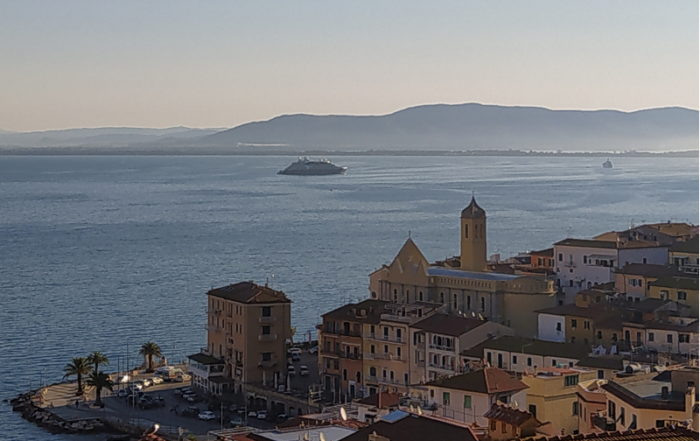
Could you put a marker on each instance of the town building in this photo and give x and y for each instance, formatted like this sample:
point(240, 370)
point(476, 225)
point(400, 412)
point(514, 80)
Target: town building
point(466, 397)
point(551, 396)
point(462, 283)
point(376, 406)
point(592, 401)
point(248, 328)
point(437, 342)
point(674, 433)
point(684, 255)
point(633, 281)
point(650, 400)
point(509, 423)
point(405, 426)
point(679, 289)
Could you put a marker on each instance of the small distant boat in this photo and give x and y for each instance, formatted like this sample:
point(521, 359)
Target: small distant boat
point(307, 167)
point(607, 164)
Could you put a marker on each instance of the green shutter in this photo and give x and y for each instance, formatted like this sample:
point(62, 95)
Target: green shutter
point(467, 401)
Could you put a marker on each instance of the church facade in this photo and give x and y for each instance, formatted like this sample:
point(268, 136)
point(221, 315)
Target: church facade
point(463, 284)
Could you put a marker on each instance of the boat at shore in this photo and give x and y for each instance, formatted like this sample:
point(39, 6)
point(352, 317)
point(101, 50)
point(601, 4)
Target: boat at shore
point(607, 164)
point(307, 167)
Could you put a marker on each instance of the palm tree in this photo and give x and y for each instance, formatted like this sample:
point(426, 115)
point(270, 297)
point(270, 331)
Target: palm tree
point(97, 358)
point(78, 367)
point(150, 350)
point(99, 380)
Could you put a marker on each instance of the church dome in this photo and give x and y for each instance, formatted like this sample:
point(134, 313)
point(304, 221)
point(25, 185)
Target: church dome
point(473, 211)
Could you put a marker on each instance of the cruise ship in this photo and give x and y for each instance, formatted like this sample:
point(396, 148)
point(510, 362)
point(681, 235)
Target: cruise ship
point(307, 167)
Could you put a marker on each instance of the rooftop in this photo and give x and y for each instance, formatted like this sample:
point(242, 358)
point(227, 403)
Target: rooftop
point(648, 270)
point(486, 381)
point(689, 246)
point(614, 362)
point(205, 359)
point(509, 415)
point(404, 426)
point(367, 311)
point(547, 252)
point(473, 211)
point(448, 324)
point(491, 277)
point(676, 433)
point(524, 345)
point(249, 292)
point(690, 283)
point(588, 243)
point(571, 309)
point(387, 400)
point(645, 391)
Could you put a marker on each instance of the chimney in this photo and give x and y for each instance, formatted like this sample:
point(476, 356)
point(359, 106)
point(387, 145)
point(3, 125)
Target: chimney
point(664, 392)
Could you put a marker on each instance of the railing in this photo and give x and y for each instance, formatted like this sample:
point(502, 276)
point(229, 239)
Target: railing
point(341, 332)
point(395, 318)
point(267, 337)
point(442, 366)
point(214, 311)
point(392, 381)
point(350, 355)
point(383, 356)
point(213, 328)
point(601, 421)
point(569, 264)
point(442, 348)
point(385, 338)
point(270, 319)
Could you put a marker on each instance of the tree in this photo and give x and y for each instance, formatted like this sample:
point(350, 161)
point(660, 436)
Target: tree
point(292, 333)
point(78, 367)
point(97, 358)
point(150, 350)
point(99, 380)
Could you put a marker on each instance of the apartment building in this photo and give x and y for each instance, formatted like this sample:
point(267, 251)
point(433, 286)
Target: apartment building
point(438, 341)
point(679, 289)
point(248, 327)
point(591, 402)
point(684, 255)
point(551, 396)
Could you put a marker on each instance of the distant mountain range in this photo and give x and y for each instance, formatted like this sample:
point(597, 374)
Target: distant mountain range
point(426, 128)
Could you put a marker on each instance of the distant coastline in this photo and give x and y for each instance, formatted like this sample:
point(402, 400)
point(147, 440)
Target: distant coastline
point(218, 151)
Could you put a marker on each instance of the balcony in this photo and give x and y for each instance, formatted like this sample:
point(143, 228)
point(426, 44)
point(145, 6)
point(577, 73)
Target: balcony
point(446, 367)
point(442, 348)
point(601, 421)
point(395, 318)
point(325, 353)
point(383, 356)
point(269, 319)
point(267, 337)
point(340, 332)
point(385, 338)
point(267, 363)
point(213, 328)
point(214, 311)
point(569, 264)
point(391, 381)
point(350, 355)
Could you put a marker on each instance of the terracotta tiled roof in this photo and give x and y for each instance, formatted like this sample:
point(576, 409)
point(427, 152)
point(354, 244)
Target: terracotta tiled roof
point(368, 311)
point(677, 433)
point(587, 243)
point(448, 324)
point(249, 292)
point(388, 400)
point(593, 311)
point(508, 415)
point(689, 246)
point(413, 427)
point(523, 345)
point(485, 381)
point(648, 270)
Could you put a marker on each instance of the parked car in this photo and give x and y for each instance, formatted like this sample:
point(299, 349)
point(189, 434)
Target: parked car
point(191, 411)
point(252, 414)
point(291, 370)
point(147, 382)
point(262, 414)
point(121, 393)
point(182, 378)
point(207, 415)
point(313, 350)
point(281, 418)
point(303, 370)
point(294, 351)
point(236, 421)
point(123, 379)
point(296, 357)
point(232, 408)
point(156, 380)
point(138, 385)
point(182, 389)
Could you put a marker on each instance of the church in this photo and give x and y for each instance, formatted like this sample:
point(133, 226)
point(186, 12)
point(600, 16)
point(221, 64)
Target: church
point(463, 284)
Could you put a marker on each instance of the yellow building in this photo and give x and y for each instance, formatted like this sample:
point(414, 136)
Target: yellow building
point(462, 284)
point(684, 255)
point(679, 289)
point(552, 396)
point(591, 402)
point(248, 327)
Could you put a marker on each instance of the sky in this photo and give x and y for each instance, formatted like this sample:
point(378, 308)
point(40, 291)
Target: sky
point(94, 63)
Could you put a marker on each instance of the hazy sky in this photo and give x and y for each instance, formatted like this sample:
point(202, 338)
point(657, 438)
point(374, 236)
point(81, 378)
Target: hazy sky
point(219, 64)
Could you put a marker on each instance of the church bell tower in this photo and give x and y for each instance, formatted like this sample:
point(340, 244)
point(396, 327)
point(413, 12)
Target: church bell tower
point(473, 238)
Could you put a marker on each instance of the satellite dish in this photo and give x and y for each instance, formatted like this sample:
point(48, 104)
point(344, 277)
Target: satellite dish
point(321, 436)
point(420, 411)
point(343, 414)
point(514, 404)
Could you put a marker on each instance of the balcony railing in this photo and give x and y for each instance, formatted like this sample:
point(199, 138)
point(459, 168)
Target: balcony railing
point(270, 319)
point(213, 328)
point(385, 338)
point(392, 381)
point(342, 354)
point(214, 311)
point(446, 367)
point(267, 337)
point(442, 348)
point(267, 363)
point(383, 356)
point(341, 332)
point(395, 318)
point(601, 421)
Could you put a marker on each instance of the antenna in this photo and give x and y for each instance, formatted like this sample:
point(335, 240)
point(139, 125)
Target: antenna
point(343, 414)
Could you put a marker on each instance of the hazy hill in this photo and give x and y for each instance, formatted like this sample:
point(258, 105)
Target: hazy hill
point(474, 126)
point(100, 137)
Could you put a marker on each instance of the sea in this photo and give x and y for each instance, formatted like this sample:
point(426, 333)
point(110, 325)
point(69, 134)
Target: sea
point(105, 253)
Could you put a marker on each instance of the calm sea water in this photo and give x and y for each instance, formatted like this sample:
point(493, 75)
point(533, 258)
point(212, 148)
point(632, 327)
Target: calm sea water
point(106, 253)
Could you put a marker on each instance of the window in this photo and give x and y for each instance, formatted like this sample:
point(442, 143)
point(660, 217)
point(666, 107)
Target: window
point(442, 297)
point(266, 311)
point(529, 361)
point(504, 428)
point(398, 334)
point(336, 364)
point(611, 410)
point(601, 374)
point(682, 295)
point(573, 339)
point(554, 362)
point(386, 349)
point(585, 259)
point(398, 352)
point(467, 401)
point(345, 375)
point(633, 424)
point(488, 357)
point(664, 295)
point(515, 359)
point(614, 336)
point(586, 324)
point(469, 302)
point(622, 416)
point(373, 372)
point(561, 257)
point(446, 398)
point(669, 338)
point(574, 408)
point(574, 323)
point(599, 335)
point(266, 356)
point(683, 338)
point(266, 330)
point(558, 326)
point(466, 231)
point(371, 349)
point(493, 425)
point(651, 336)
point(384, 373)
point(571, 380)
point(483, 304)
point(532, 408)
